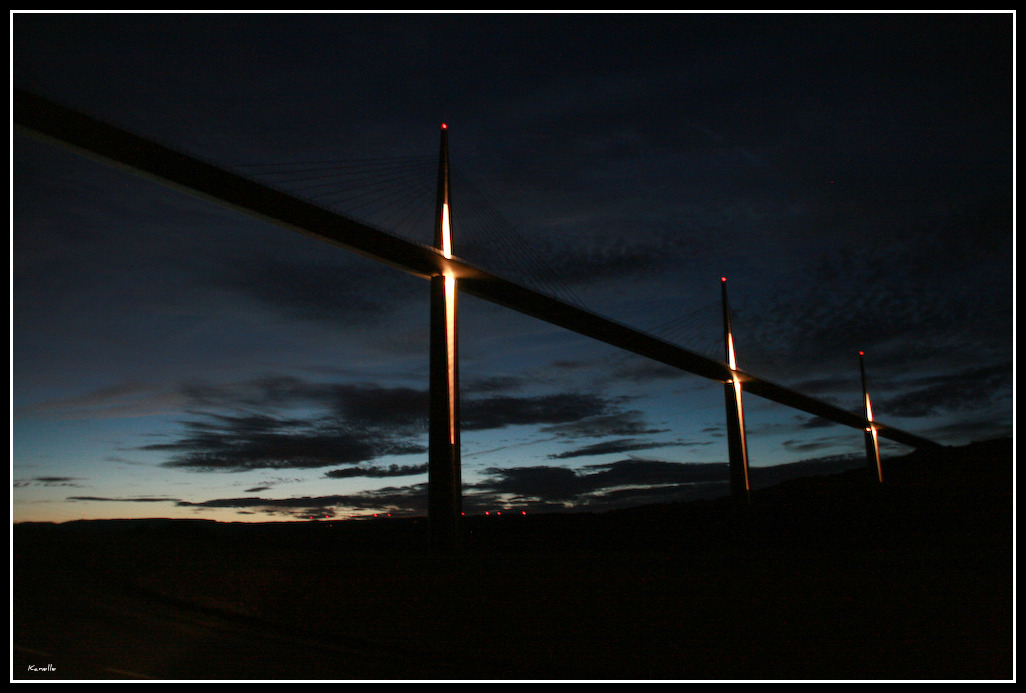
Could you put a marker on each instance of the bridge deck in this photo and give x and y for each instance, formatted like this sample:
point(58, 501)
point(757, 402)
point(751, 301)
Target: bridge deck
point(43, 118)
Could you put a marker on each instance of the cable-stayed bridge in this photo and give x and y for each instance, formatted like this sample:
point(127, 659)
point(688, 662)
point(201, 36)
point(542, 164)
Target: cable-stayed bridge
point(446, 271)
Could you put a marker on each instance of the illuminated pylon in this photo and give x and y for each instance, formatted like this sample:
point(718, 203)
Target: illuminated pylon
point(871, 437)
point(444, 482)
point(737, 444)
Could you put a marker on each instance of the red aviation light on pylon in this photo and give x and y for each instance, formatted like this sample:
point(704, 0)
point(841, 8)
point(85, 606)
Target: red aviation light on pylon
point(862, 353)
point(723, 279)
point(443, 126)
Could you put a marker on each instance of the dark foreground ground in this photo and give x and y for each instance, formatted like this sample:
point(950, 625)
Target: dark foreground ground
point(825, 578)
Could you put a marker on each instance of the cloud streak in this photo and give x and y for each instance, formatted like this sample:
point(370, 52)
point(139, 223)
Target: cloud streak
point(582, 487)
point(310, 425)
point(47, 481)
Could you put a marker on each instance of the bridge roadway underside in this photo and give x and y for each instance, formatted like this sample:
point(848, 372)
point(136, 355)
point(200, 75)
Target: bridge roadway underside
point(47, 120)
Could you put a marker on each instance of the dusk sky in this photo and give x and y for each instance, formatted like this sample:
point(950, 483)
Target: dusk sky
point(850, 174)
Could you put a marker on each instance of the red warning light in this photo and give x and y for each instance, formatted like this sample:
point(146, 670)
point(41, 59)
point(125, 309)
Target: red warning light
point(443, 126)
point(723, 279)
point(862, 353)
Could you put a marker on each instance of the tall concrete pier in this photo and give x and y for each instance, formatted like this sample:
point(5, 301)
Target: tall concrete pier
point(870, 435)
point(444, 479)
point(737, 443)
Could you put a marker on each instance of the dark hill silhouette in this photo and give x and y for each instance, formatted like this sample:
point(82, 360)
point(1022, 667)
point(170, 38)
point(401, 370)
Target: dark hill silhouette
point(831, 577)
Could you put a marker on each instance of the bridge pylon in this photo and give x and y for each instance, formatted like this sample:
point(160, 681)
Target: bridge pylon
point(870, 434)
point(444, 476)
point(737, 443)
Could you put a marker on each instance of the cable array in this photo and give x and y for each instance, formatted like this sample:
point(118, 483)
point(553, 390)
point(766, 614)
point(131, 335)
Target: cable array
point(397, 196)
point(492, 241)
point(699, 330)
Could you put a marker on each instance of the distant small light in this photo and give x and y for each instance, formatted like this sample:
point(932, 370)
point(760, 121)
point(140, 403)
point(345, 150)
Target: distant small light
point(862, 353)
point(723, 279)
point(443, 126)
point(523, 512)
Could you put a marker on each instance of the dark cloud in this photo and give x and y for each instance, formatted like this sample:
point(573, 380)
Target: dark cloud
point(552, 410)
point(225, 443)
point(653, 472)
point(377, 472)
point(901, 286)
point(986, 429)
point(607, 422)
point(48, 481)
point(814, 422)
point(963, 391)
point(396, 408)
point(540, 482)
point(608, 447)
point(540, 488)
point(366, 402)
point(374, 422)
point(565, 485)
point(407, 500)
point(808, 445)
point(128, 499)
point(357, 423)
point(254, 502)
point(321, 507)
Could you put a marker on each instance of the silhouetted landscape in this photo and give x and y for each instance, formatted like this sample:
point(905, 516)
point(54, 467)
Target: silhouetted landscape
point(829, 577)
